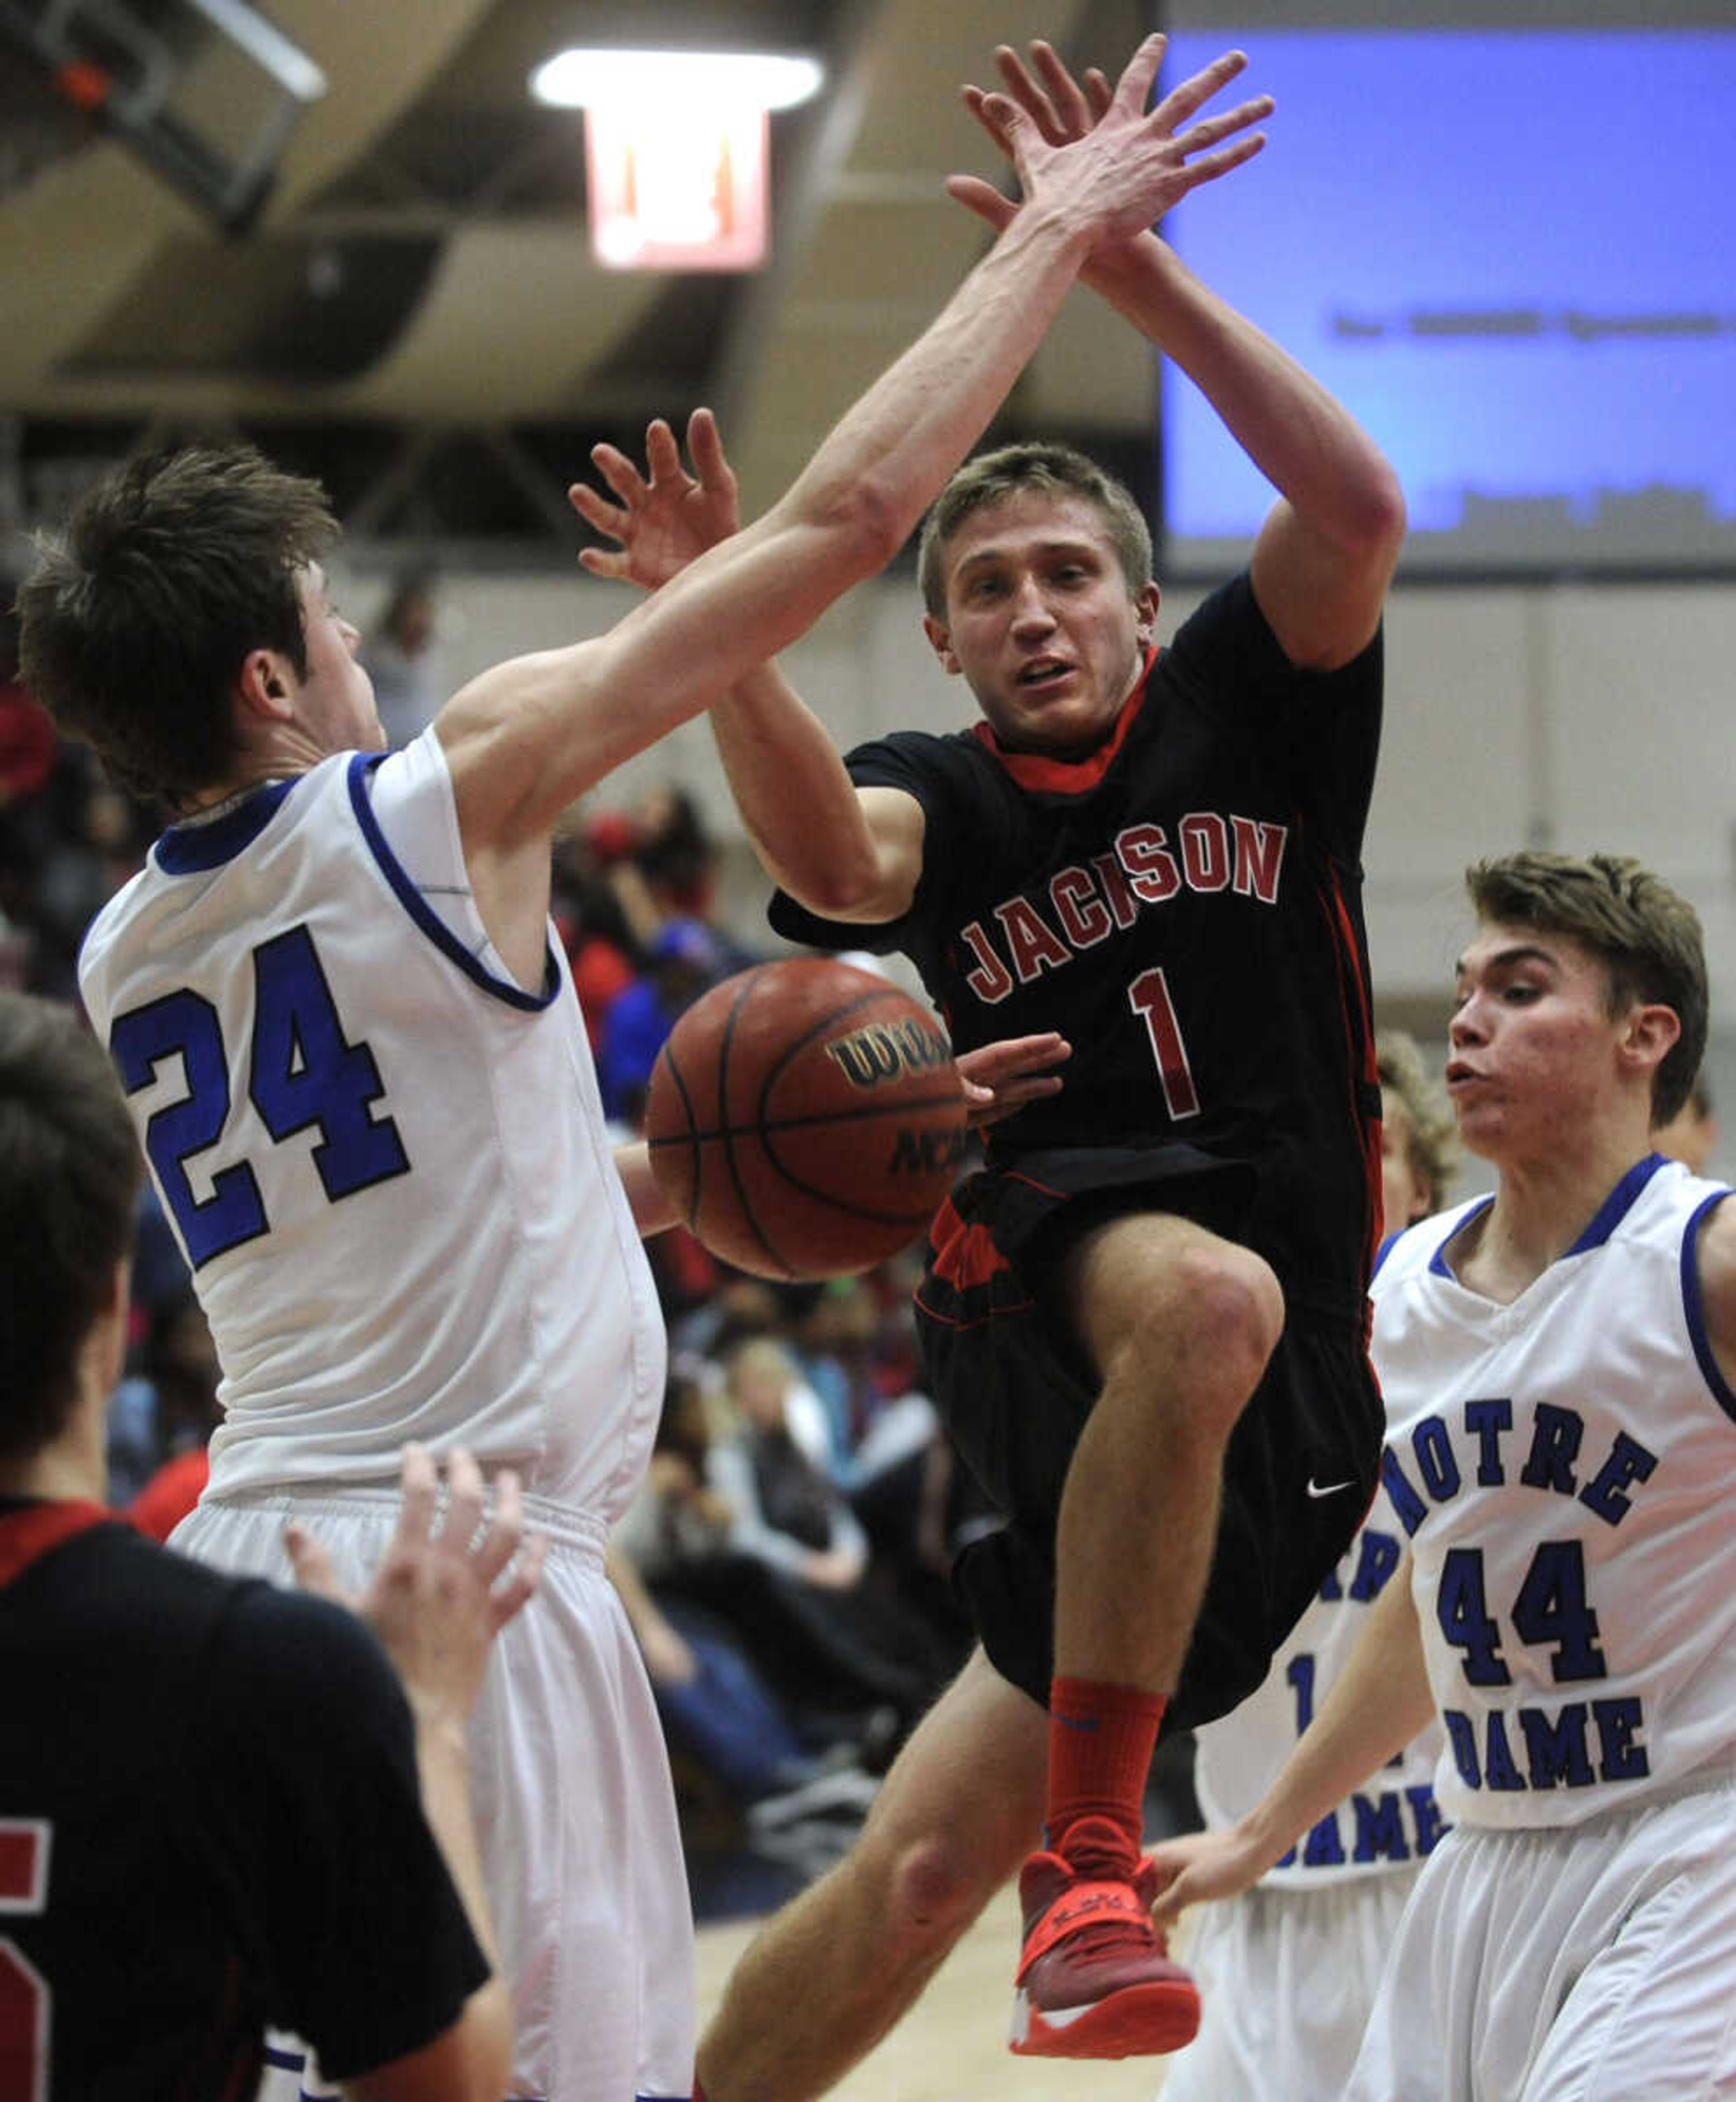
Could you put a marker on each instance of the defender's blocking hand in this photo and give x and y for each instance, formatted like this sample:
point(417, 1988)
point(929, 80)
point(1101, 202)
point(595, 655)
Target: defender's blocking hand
point(1044, 108)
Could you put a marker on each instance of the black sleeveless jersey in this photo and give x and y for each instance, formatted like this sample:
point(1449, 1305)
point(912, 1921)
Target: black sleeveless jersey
point(1183, 904)
point(209, 1819)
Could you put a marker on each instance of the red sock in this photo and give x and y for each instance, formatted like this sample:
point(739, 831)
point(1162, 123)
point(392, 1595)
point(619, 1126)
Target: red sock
point(699, 2092)
point(1101, 1743)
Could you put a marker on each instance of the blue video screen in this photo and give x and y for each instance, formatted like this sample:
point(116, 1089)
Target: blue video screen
point(1512, 253)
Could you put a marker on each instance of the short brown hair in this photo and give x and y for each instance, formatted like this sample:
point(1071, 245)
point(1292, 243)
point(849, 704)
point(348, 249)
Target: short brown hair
point(996, 477)
point(134, 624)
point(1646, 935)
point(69, 1170)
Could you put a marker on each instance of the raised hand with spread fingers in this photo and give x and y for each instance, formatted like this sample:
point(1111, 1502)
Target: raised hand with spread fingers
point(452, 1577)
point(662, 519)
point(1063, 110)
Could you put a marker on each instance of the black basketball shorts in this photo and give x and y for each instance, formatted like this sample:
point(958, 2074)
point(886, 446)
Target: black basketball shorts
point(1014, 1389)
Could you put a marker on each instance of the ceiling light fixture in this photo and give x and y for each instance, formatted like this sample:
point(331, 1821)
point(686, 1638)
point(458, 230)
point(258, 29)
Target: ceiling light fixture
point(591, 79)
point(676, 149)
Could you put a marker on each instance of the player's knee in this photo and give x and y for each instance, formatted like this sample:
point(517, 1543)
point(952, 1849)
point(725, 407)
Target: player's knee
point(936, 1890)
point(1233, 1308)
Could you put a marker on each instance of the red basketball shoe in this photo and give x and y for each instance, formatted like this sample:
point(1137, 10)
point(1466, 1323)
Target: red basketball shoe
point(1094, 1978)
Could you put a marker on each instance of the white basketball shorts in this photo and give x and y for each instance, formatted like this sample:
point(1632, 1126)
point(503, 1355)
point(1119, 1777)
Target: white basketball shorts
point(573, 1807)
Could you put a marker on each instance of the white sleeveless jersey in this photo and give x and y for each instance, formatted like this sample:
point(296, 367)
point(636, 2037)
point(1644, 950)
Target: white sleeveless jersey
point(1565, 1468)
point(386, 1163)
point(1391, 1822)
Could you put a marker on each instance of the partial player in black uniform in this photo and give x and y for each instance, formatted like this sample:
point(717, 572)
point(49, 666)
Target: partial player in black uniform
point(217, 1810)
point(1155, 852)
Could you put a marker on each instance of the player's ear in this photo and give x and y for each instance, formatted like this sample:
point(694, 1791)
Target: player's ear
point(1651, 1034)
point(940, 641)
point(107, 1331)
point(264, 686)
point(1147, 600)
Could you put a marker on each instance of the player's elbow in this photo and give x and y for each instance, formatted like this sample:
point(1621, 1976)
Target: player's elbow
point(1373, 526)
point(884, 517)
point(862, 518)
point(488, 2019)
point(846, 883)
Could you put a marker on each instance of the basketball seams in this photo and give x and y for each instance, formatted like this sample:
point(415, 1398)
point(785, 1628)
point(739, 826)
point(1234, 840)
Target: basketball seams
point(767, 1199)
point(806, 1119)
point(744, 1203)
point(690, 1138)
point(766, 1126)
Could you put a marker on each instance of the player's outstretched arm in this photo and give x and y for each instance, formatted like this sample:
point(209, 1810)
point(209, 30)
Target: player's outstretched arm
point(652, 1211)
point(1327, 552)
point(442, 1592)
point(1376, 1705)
point(524, 741)
point(854, 855)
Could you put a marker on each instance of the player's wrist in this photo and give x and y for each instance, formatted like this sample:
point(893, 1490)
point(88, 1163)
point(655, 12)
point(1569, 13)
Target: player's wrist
point(1053, 226)
point(1125, 265)
point(442, 1724)
point(1265, 1835)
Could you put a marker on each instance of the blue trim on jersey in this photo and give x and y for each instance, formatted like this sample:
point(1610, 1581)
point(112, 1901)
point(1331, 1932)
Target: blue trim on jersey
point(1694, 1307)
point(1610, 1213)
point(1618, 1203)
point(1383, 1251)
point(417, 906)
point(191, 849)
point(1438, 1262)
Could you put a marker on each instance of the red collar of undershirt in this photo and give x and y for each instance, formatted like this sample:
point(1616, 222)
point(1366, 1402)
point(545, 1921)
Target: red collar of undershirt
point(1041, 771)
point(27, 1534)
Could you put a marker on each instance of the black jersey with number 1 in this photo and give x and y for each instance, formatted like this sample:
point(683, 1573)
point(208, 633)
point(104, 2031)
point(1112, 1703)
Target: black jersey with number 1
point(1183, 904)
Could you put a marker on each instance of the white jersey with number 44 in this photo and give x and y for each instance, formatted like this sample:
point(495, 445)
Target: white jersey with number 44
point(1565, 1467)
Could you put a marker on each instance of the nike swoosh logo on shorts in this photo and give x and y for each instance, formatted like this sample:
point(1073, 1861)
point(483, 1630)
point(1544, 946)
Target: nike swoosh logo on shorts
point(1330, 1489)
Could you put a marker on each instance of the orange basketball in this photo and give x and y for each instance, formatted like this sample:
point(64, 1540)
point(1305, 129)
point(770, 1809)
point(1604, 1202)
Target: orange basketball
point(806, 1118)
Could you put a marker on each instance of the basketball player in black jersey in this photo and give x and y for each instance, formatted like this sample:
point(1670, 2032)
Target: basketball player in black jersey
point(209, 1788)
point(1145, 1321)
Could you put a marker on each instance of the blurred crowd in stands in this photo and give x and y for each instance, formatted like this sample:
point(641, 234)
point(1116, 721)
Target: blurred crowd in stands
point(786, 1564)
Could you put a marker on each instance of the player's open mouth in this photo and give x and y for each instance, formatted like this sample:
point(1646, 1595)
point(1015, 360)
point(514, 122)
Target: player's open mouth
point(1046, 671)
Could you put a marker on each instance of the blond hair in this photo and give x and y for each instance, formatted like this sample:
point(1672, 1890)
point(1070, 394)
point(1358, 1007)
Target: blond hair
point(1054, 470)
point(1431, 1138)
